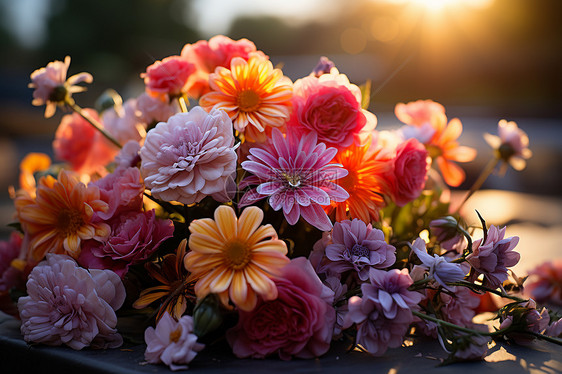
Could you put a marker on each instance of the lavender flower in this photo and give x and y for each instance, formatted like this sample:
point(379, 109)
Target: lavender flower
point(297, 176)
point(324, 66)
point(357, 246)
point(493, 256)
point(524, 317)
point(66, 304)
point(172, 342)
point(340, 306)
point(390, 288)
point(555, 329)
point(439, 269)
point(190, 157)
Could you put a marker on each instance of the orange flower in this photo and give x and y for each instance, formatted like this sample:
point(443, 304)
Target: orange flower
point(235, 257)
point(364, 182)
point(175, 287)
point(252, 93)
point(60, 216)
point(31, 164)
point(444, 148)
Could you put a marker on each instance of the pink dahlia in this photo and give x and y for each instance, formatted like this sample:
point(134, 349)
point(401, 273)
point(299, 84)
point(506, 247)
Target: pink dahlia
point(208, 55)
point(545, 282)
point(190, 157)
point(299, 323)
point(134, 238)
point(52, 87)
point(358, 246)
point(172, 343)
point(67, 304)
point(166, 79)
point(493, 256)
point(297, 176)
point(122, 190)
point(330, 107)
point(83, 147)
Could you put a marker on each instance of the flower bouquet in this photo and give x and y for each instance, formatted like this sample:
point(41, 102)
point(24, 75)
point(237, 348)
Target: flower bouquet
point(227, 202)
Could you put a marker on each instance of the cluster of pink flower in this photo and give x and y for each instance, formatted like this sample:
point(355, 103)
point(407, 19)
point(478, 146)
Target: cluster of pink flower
point(305, 156)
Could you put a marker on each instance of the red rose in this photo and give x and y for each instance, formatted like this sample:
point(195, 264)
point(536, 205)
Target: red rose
point(298, 323)
point(410, 171)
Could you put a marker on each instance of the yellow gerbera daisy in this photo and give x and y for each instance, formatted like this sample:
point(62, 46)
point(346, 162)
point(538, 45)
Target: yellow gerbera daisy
point(60, 216)
point(252, 93)
point(235, 257)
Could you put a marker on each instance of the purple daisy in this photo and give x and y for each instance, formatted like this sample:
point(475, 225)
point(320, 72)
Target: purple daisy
point(297, 176)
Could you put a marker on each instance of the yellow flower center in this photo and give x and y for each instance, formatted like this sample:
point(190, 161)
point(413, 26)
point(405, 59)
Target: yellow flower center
point(248, 100)
point(237, 254)
point(69, 221)
point(434, 151)
point(294, 180)
point(176, 334)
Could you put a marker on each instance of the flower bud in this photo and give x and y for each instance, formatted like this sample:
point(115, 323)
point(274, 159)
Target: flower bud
point(207, 316)
point(109, 99)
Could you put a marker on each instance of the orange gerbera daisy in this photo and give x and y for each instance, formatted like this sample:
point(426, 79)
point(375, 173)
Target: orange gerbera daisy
point(60, 216)
point(444, 148)
point(235, 257)
point(176, 289)
point(364, 182)
point(252, 93)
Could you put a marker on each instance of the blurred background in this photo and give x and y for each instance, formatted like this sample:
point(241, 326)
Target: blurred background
point(483, 59)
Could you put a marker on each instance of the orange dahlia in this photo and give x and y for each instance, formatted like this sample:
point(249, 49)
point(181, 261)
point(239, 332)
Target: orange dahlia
point(60, 216)
point(235, 257)
point(364, 182)
point(254, 94)
point(444, 148)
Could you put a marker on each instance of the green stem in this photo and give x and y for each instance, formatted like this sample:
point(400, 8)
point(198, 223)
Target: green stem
point(480, 181)
point(93, 122)
point(549, 339)
point(478, 287)
point(419, 284)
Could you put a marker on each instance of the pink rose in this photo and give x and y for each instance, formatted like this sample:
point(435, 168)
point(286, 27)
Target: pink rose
point(82, 146)
point(208, 55)
point(330, 107)
point(410, 171)
point(298, 323)
point(122, 190)
point(167, 78)
point(134, 238)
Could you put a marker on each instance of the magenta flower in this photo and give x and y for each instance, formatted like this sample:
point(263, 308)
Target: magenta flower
point(297, 176)
point(439, 268)
point(134, 238)
point(66, 304)
point(171, 342)
point(190, 157)
point(298, 323)
point(52, 87)
point(493, 257)
point(357, 246)
point(122, 190)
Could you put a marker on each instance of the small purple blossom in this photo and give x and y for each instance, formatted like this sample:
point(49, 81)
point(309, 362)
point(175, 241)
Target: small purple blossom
point(324, 66)
point(171, 342)
point(525, 318)
point(493, 257)
point(555, 329)
point(390, 288)
point(447, 233)
point(439, 268)
point(358, 246)
point(296, 175)
point(67, 304)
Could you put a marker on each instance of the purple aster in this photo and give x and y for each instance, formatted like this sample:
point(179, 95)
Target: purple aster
point(297, 176)
point(493, 256)
point(439, 268)
point(357, 246)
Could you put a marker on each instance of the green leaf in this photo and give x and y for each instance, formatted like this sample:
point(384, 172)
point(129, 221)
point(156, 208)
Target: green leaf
point(365, 94)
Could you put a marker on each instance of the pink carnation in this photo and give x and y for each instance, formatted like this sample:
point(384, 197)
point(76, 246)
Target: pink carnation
point(545, 283)
point(83, 147)
point(493, 256)
point(208, 55)
point(298, 323)
point(166, 79)
point(409, 174)
point(171, 342)
point(419, 113)
point(122, 190)
point(190, 157)
point(66, 304)
point(330, 106)
point(134, 238)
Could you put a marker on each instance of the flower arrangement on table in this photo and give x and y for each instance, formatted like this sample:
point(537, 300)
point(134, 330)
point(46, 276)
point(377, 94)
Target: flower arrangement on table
point(227, 200)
